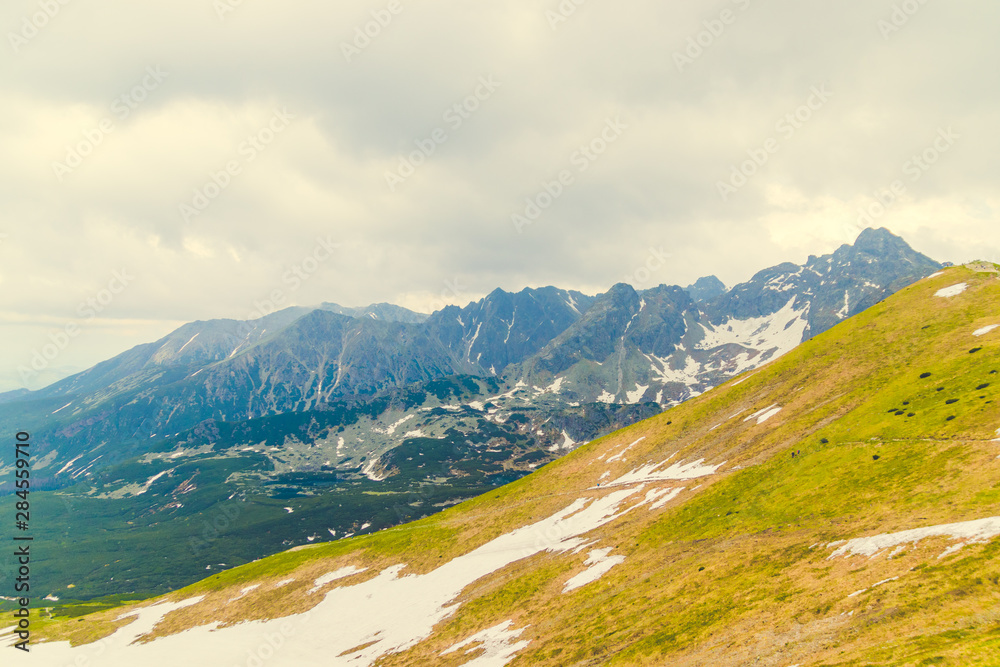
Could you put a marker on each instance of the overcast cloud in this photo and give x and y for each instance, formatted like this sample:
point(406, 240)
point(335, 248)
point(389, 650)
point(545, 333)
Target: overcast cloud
point(93, 183)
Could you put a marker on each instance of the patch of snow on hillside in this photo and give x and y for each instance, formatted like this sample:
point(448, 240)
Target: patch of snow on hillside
point(665, 497)
point(763, 415)
point(954, 290)
point(968, 532)
point(875, 585)
point(386, 614)
point(150, 481)
point(63, 407)
point(619, 455)
point(496, 643)
point(567, 442)
point(977, 332)
point(781, 331)
point(665, 374)
point(392, 428)
point(369, 470)
point(606, 397)
point(767, 415)
point(636, 394)
point(119, 645)
point(330, 577)
point(843, 312)
point(743, 379)
point(243, 593)
point(935, 275)
point(678, 471)
point(598, 564)
point(69, 465)
point(555, 386)
point(188, 343)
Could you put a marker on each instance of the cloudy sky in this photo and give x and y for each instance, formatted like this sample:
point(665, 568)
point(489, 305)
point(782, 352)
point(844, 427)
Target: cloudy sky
point(171, 161)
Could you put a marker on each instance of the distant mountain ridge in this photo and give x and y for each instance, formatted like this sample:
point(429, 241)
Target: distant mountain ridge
point(625, 346)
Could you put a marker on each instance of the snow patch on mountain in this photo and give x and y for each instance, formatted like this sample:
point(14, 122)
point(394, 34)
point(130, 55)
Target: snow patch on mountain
point(392, 427)
point(968, 532)
point(330, 577)
point(780, 331)
point(636, 394)
point(496, 643)
point(985, 330)
point(606, 397)
point(766, 413)
point(954, 290)
point(654, 472)
point(598, 564)
point(845, 311)
point(665, 374)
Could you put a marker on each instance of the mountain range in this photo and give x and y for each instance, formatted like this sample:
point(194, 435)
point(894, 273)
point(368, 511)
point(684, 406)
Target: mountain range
point(837, 506)
point(353, 420)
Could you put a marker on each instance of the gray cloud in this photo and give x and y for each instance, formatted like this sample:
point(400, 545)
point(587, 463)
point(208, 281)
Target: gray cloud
point(324, 175)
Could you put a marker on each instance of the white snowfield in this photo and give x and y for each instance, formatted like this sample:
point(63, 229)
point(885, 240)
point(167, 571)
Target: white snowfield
point(497, 644)
point(386, 614)
point(968, 532)
point(954, 290)
point(780, 331)
point(654, 472)
point(766, 413)
point(985, 330)
point(598, 563)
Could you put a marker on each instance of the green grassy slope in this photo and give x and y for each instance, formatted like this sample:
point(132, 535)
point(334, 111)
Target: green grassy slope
point(892, 415)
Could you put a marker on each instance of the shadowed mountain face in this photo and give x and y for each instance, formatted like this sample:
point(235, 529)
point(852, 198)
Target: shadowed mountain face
point(706, 289)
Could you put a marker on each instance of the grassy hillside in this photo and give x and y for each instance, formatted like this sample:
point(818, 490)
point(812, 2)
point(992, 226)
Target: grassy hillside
point(891, 417)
